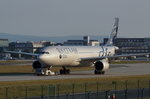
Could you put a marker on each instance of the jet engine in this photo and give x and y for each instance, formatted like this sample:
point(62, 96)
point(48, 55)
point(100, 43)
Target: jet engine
point(101, 66)
point(36, 64)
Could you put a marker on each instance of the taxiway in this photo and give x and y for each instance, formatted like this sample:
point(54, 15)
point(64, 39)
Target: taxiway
point(115, 70)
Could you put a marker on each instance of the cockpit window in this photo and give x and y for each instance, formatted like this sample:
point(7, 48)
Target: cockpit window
point(44, 52)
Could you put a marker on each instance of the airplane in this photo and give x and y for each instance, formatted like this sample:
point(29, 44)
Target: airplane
point(96, 56)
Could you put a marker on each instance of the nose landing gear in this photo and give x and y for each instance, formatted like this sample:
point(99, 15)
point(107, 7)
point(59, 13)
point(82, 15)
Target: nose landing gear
point(44, 72)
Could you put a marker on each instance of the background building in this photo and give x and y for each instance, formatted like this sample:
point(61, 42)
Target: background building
point(94, 43)
point(4, 45)
point(29, 47)
point(85, 42)
point(4, 42)
point(132, 45)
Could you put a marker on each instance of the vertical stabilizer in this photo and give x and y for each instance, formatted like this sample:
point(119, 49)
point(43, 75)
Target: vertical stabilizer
point(114, 33)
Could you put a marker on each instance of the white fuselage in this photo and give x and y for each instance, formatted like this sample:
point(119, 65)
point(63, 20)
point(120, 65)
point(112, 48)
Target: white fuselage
point(70, 55)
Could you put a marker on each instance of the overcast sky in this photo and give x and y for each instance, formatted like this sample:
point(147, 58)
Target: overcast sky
point(75, 17)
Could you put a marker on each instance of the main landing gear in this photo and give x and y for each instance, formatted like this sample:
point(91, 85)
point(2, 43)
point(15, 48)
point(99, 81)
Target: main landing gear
point(99, 72)
point(64, 70)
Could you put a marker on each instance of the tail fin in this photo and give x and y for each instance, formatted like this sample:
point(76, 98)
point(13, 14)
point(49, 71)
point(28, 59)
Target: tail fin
point(114, 33)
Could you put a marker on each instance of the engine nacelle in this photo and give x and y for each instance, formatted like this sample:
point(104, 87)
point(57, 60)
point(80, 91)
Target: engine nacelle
point(101, 65)
point(36, 64)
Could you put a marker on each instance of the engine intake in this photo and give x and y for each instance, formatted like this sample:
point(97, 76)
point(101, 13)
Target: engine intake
point(36, 64)
point(101, 65)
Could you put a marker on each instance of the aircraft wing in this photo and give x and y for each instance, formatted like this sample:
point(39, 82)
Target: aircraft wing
point(24, 53)
point(109, 57)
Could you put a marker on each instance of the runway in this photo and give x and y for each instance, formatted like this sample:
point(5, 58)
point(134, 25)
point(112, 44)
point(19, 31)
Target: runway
point(115, 70)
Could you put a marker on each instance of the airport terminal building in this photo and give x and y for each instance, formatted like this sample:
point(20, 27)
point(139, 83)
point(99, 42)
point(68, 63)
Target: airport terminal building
point(132, 45)
point(4, 44)
point(85, 42)
point(29, 47)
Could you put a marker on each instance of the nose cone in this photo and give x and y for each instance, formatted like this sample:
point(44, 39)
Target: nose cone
point(42, 58)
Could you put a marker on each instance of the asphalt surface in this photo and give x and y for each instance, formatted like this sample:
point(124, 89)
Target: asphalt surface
point(115, 70)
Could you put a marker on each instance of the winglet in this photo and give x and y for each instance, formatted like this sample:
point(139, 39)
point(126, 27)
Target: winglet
point(114, 33)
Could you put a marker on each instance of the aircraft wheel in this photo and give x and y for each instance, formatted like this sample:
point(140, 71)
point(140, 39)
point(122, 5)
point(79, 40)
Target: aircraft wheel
point(103, 72)
point(99, 72)
point(96, 72)
point(64, 70)
point(68, 71)
point(61, 71)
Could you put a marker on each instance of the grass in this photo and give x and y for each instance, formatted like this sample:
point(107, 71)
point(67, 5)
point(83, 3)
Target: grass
point(35, 87)
point(128, 62)
point(27, 69)
point(38, 87)
point(14, 61)
point(15, 69)
point(79, 81)
point(113, 62)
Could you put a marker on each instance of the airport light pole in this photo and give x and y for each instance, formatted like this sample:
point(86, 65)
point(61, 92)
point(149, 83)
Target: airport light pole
point(138, 85)
point(97, 88)
point(149, 88)
point(6, 93)
point(126, 84)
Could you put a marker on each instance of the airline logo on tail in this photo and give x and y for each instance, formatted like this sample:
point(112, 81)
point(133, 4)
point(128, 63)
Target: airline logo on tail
point(114, 33)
